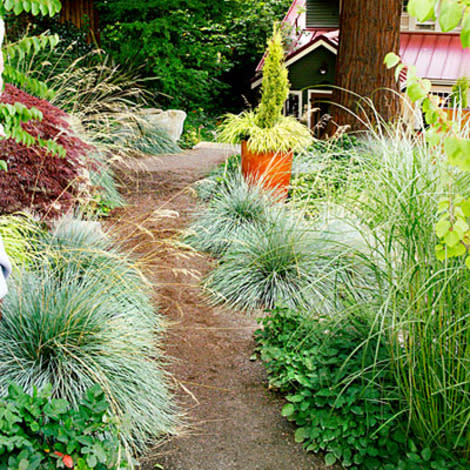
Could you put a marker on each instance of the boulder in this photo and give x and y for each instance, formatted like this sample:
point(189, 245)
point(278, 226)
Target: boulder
point(171, 121)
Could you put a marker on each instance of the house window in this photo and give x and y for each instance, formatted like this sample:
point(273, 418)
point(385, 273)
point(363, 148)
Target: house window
point(444, 98)
point(293, 104)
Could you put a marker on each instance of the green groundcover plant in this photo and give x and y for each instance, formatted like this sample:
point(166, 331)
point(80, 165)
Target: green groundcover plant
point(40, 432)
point(341, 393)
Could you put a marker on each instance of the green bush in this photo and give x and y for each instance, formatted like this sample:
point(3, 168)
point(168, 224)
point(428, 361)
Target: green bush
point(199, 126)
point(87, 318)
point(235, 207)
point(37, 431)
point(340, 392)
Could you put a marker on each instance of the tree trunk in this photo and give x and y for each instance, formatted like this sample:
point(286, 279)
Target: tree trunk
point(369, 29)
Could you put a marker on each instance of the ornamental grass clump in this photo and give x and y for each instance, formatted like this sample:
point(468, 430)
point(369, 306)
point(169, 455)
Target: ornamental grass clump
point(85, 319)
point(280, 263)
point(229, 214)
point(419, 303)
point(220, 177)
point(19, 234)
point(266, 129)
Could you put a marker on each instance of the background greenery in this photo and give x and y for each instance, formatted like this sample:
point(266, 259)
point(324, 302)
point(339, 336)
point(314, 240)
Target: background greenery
point(201, 53)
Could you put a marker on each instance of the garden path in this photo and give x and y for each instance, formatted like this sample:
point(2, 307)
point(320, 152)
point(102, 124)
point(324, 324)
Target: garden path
point(234, 421)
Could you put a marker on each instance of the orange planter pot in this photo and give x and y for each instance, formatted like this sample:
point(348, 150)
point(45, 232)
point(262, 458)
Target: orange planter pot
point(271, 169)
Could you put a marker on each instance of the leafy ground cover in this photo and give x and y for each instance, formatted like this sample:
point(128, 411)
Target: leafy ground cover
point(341, 393)
point(38, 431)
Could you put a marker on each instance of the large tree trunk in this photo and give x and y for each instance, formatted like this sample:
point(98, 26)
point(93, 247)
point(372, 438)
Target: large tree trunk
point(369, 29)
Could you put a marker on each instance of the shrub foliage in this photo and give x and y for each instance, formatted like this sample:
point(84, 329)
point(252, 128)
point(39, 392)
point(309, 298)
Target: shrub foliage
point(340, 392)
point(38, 180)
point(37, 431)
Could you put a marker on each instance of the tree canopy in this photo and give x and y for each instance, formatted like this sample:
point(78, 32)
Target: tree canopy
point(198, 51)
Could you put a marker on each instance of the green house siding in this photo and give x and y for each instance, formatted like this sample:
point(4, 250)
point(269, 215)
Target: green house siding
point(322, 13)
point(305, 73)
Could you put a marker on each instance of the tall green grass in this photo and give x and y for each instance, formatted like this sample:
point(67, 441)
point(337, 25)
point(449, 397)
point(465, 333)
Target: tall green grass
point(420, 304)
point(19, 233)
point(86, 317)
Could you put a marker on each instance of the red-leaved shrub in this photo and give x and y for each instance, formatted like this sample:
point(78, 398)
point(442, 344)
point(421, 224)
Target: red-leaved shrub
point(36, 180)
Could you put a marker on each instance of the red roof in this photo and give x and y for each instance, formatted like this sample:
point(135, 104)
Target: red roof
point(437, 56)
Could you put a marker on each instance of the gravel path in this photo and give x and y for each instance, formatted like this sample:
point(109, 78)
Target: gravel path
point(233, 420)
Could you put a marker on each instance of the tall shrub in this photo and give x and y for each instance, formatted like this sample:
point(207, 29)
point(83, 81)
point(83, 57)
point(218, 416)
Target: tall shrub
point(37, 180)
point(275, 86)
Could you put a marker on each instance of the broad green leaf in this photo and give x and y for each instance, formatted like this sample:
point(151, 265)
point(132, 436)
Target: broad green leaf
point(421, 9)
point(457, 250)
point(8, 4)
point(465, 205)
point(301, 434)
point(450, 15)
point(465, 33)
point(288, 410)
point(452, 148)
point(391, 59)
point(462, 157)
point(330, 459)
point(18, 8)
point(3, 165)
point(451, 238)
point(467, 262)
point(415, 92)
point(91, 461)
point(460, 226)
point(27, 6)
point(442, 227)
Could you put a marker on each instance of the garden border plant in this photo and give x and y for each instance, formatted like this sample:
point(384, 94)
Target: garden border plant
point(268, 137)
point(38, 431)
point(93, 317)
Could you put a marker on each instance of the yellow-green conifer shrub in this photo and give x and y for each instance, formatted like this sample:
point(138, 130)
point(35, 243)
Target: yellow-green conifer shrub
point(266, 129)
point(275, 86)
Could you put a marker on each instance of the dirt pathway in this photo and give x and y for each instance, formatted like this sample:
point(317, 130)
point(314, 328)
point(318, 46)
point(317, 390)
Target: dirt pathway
point(234, 421)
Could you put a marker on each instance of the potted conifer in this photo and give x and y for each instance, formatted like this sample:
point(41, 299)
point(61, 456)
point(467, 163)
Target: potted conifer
point(268, 138)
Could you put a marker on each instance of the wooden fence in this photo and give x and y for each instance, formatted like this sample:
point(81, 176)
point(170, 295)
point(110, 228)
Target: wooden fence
point(83, 15)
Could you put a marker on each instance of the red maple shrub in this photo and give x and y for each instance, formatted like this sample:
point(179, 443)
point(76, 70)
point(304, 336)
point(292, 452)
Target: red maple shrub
point(36, 180)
